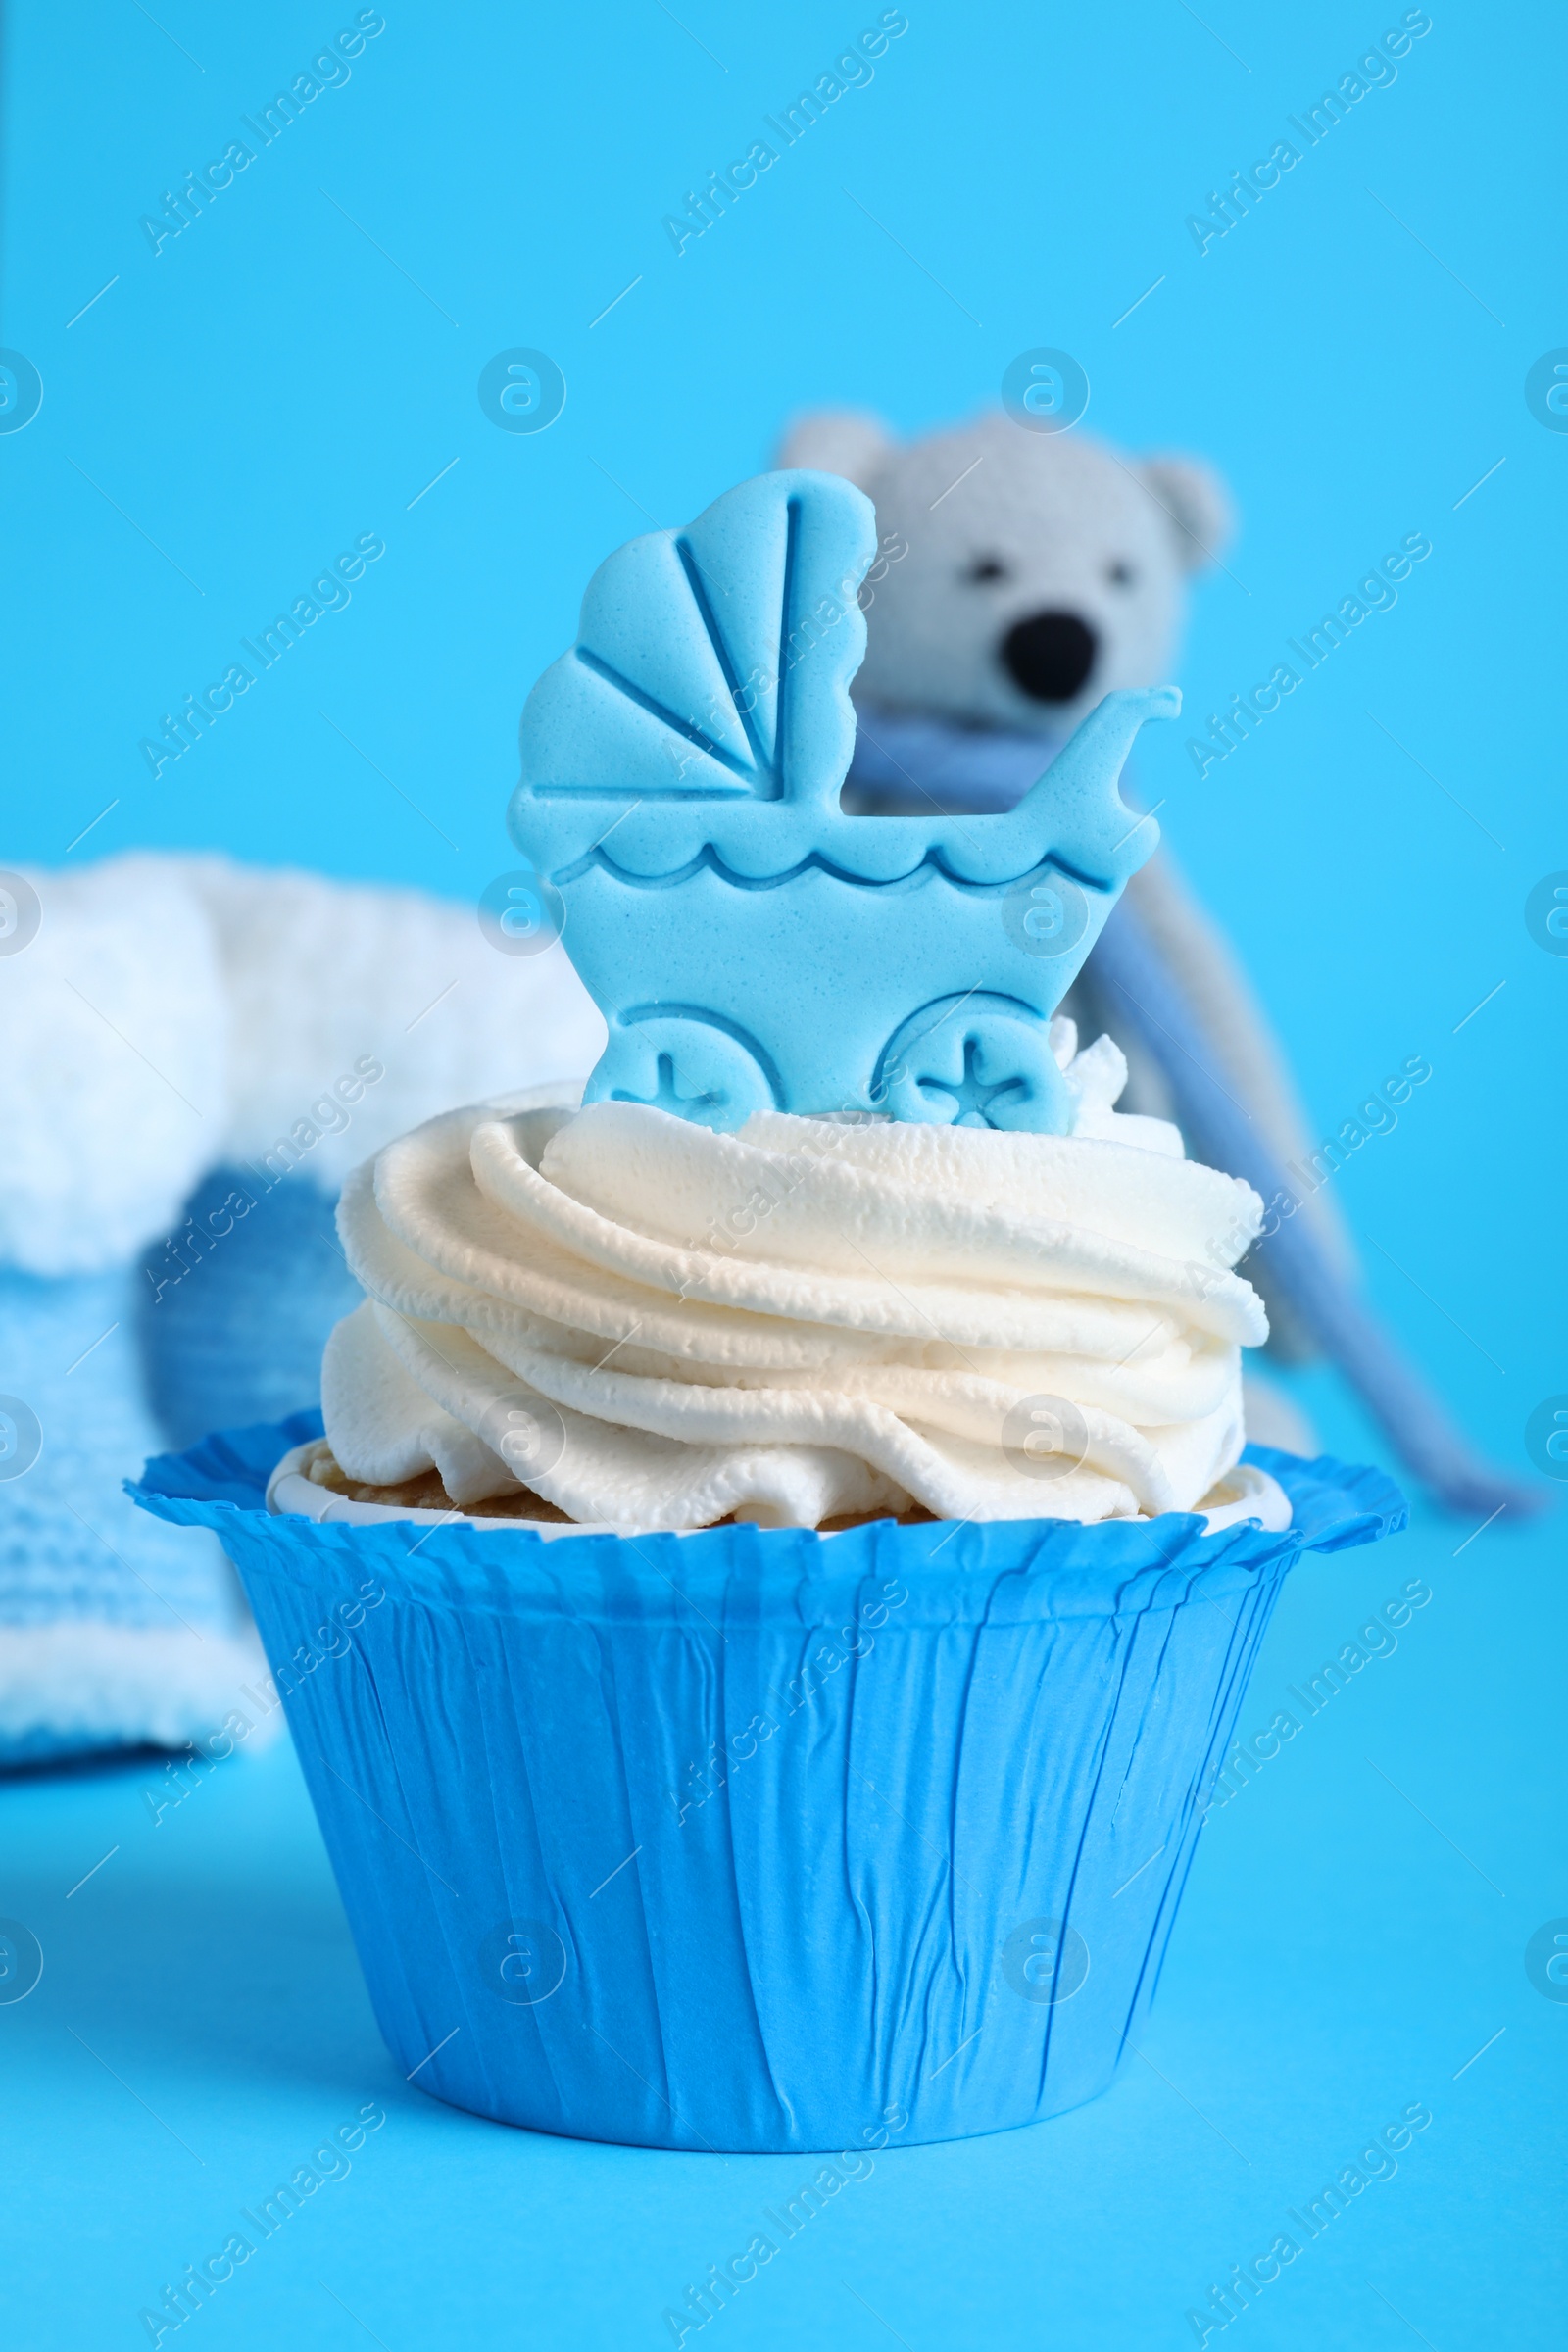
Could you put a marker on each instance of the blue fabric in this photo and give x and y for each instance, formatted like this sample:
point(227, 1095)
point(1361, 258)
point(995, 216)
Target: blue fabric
point(743, 1840)
point(70, 1546)
point(234, 1310)
point(905, 762)
point(136, 1633)
point(122, 1633)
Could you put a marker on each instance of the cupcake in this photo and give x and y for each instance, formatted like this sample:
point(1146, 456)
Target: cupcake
point(618, 1316)
point(773, 1580)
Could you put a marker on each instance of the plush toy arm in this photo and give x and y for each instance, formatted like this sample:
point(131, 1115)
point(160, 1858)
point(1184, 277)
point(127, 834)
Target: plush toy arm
point(1226, 1007)
point(1154, 1007)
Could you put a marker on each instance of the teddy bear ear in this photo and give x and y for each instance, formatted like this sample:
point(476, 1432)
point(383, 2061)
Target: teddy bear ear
point(843, 441)
point(1197, 503)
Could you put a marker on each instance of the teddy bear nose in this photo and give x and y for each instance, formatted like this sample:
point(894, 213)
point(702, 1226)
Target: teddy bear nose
point(1050, 655)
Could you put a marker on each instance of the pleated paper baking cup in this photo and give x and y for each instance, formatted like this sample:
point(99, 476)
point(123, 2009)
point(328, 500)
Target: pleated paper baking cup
point(736, 1840)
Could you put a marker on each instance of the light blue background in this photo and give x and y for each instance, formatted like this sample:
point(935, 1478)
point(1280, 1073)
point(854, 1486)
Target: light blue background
point(270, 386)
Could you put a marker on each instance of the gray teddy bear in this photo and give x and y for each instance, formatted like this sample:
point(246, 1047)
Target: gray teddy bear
point(1021, 576)
point(1042, 569)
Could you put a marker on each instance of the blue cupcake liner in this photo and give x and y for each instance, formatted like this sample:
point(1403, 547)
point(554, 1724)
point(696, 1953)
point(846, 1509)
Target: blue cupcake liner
point(741, 1840)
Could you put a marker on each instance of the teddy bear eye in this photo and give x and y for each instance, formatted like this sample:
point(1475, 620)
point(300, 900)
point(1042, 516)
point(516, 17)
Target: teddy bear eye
point(1120, 574)
point(987, 569)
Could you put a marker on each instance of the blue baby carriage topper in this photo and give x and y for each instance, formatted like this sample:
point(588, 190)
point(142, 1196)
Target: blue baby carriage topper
point(750, 944)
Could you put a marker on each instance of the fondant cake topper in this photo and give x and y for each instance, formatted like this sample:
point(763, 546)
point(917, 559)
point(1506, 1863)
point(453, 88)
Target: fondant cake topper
point(750, 944)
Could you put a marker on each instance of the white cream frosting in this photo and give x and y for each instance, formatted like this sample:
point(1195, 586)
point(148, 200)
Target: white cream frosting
point(806, 1319)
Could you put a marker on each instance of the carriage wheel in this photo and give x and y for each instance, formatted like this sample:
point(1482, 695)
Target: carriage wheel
point(685, 1066)
point(975, 1062)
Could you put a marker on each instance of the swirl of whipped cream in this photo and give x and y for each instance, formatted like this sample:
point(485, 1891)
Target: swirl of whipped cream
point(808, 1319)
